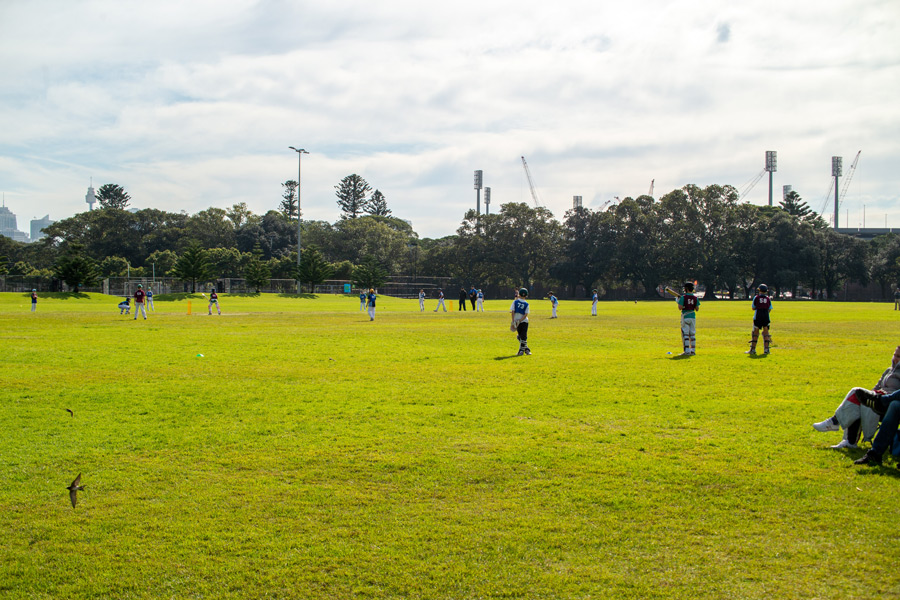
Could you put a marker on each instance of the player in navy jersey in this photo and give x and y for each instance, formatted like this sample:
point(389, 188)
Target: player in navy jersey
point(33, 300)
point(689, 304)
point(594, 298)
point(370, 303)
point(762, 305)
point(519, 311)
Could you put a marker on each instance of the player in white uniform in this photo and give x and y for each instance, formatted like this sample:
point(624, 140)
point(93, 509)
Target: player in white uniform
point(362, 300)
point(480, 297)
point(440, 303)
point(594, 299)
point(421, 300)
point(150, 299)
point(553, 304)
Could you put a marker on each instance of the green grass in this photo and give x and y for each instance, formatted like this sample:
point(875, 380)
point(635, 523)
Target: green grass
point(310, 453)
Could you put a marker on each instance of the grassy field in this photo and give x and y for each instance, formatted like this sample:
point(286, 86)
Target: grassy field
point(291, 448)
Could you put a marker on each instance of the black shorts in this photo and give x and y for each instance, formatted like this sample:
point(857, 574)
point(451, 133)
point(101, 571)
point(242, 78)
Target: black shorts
point(522, 330)
point(762, 321)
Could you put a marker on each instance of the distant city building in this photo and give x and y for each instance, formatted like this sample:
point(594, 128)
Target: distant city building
point(8, 226)
point(37, 227)
point(90, 198)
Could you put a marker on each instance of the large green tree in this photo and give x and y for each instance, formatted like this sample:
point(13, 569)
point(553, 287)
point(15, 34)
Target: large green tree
point(257, 273)
point(377, 205)
point(369, 274)
point(351, 194)
point(193, 265)
point(288, 205)
point(76, 268)
point(314, 269)
point(111, 195)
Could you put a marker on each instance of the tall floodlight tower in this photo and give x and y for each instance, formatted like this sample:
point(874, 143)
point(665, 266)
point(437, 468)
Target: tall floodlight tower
point(785, 190)
point(487, 200)
point(576, 202)
point(479, 177)
point(837, 169)
point(771, 167)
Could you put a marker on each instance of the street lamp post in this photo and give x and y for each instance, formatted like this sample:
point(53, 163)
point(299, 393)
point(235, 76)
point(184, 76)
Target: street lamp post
point(300, 152)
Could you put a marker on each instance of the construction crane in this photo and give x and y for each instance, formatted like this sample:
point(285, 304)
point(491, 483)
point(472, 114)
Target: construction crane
point(534, 194)
point(748, 187)
point(846, 186)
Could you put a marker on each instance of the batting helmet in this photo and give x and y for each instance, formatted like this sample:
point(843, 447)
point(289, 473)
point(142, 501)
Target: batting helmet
point(763, 288)
point(523, 292)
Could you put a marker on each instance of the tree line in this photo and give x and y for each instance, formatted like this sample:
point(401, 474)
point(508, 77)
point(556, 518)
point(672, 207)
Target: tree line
point(692, 233)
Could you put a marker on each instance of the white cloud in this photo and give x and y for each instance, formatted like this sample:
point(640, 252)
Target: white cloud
point(194, 104)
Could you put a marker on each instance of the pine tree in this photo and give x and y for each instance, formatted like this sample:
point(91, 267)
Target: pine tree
point(111, 195)
point(193, 266)
point(257, 272)
point(377, 205)
point(793, 204)
point(76, 268)
point(314, 269)
point(369, 274)
point(289, 199)
point(351, 194)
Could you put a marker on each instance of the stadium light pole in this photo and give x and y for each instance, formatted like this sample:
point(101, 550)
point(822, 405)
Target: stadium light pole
point(300, 152)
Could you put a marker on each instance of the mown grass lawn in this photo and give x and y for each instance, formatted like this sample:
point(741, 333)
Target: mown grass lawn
point(292, 449)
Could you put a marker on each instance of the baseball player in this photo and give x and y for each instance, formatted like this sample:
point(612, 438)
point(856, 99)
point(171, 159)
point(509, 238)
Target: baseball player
point(480, 298)
point(689, 304)
point(519, 311)
point(370, 303)
point(33, 300)
point(762, 305)
point(139, 296)
point(362, 300)
point(421, 300)
point(150, 299)
point(594, 299)
point(440, 303)
point(553, 304)
point(213, 300)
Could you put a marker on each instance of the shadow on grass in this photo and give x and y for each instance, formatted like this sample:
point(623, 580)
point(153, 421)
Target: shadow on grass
point(59, 295)
point(884, 470)
point(757, 356)
point(303, 296)
point(177, 297)
point(506, 357)
point(680, 357)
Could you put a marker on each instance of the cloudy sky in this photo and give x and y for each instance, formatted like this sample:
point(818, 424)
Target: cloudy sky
point(192, 104)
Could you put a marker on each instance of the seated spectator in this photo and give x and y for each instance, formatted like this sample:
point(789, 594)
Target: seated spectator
point(853, 414)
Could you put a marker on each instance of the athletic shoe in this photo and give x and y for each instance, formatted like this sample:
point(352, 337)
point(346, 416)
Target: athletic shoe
point(520, 353)
point(766, 351)
point(750, 352)
point(869, 458)
point(527, 352)
point(826, 425)
point(845, 444)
